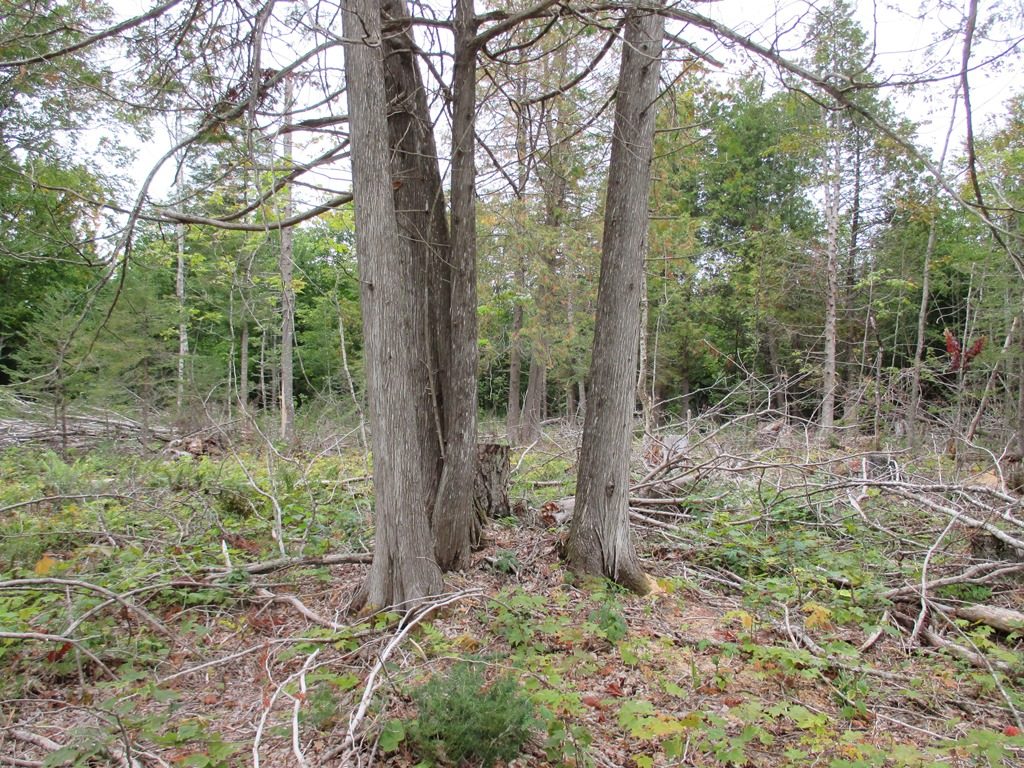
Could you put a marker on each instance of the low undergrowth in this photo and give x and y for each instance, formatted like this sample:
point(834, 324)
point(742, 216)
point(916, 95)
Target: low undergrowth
point(141, 622)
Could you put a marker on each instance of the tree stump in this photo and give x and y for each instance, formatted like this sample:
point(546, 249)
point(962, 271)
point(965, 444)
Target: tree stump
point(490, 492)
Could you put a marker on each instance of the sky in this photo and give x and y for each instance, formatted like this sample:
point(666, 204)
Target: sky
point(902, 32)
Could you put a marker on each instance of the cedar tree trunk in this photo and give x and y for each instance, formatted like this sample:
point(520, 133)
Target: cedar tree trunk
point(403, 569)
point(599, 540)
point(454, 518)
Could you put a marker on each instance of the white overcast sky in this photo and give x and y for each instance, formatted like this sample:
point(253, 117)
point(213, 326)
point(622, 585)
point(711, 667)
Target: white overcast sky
point(902, 32)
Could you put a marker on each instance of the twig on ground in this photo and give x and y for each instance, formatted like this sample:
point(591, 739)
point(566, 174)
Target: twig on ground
point(413, 617)
point(70, 641)
point(281, 563)
point(153, 622)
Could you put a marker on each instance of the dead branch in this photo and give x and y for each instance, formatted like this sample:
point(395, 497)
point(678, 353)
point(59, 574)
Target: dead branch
point(1002, 619)
point(281, 563)
point(70, 641)
point(983, 573)
point(153, 622)
point(413, 617)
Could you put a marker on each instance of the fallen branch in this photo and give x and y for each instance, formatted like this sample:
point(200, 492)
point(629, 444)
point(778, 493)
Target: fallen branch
point(38, 740)
point(982, 573)
point(413, 617)
point(301, 607)
point(153, 622)
point(1002, 619)
point(281, 563)
point(47, 638)
point(978, 660)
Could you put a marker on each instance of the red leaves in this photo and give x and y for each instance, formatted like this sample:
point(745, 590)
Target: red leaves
point(952, 346)
point(958, 359)
point(975, 350)
point(613, 688)
point(59, 653)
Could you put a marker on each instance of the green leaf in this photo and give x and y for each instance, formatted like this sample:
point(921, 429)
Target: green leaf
point(60, 757)
point(392, 735)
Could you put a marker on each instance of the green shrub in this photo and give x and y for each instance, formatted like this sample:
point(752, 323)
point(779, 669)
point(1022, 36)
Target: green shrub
point(463, 719)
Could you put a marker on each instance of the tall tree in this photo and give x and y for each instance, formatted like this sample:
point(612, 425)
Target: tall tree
point(599, 540)
point(286, 266)
point(404, 569)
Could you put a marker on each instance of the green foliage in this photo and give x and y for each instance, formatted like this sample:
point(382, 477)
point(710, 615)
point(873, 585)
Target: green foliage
point(463, 718)
point(609, 620)
point(505, 561)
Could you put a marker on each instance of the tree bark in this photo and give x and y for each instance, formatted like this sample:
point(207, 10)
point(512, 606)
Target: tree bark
point(536, 391)
point(828, 383)
point(287, 291)
point(490, 490)
point(403, 570)
point(420, 209)
point(453, 510)
point(600, 542)
point(922, 324)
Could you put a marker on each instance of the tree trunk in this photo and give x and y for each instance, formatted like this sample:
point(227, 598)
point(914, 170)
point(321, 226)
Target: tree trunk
point(453, 510)
point(179, 285)
point(349, 380)
point(646, 403)
point(514, 414)
point(600, 542)
point(536, 390)
point(828, 384)
point(515, 367)
point(922, 324)
point(243, 374)
point(972, 429)
point(1020, 406)
point(263, 368)
point(490, 489)
point(422, 225)
point(403, 571)
point(287, 291)
point(179, 295)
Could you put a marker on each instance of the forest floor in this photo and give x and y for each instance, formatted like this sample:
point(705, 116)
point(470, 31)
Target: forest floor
point(815, 608)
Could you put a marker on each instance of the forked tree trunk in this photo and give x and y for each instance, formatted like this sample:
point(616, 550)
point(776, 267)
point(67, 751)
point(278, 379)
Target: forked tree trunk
point(403, 570)
point(600, 542)
point(445, 312)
